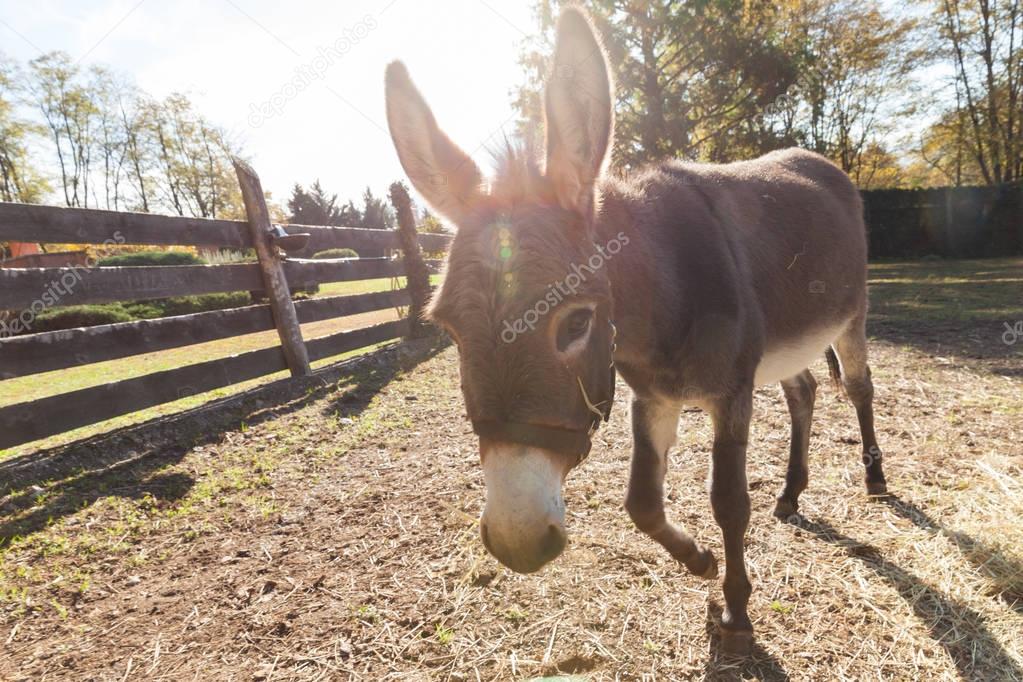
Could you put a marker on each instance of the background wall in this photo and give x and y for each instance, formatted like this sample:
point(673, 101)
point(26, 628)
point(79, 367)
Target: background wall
point(954, 222)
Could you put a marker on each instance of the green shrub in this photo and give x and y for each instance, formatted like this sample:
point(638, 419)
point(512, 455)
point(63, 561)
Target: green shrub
point(74, 316)
point(186, 305)
point(336, 253)
point(152, 258)
point(70, 317)
point(144, 310)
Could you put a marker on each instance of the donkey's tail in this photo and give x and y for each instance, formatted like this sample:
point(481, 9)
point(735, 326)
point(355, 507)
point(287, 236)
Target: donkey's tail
point(834, 369)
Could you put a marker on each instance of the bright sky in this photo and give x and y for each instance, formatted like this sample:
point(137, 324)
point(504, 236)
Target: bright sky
point(234, 57)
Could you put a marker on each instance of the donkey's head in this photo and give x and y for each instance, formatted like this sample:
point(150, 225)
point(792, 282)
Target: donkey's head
point(525, 293)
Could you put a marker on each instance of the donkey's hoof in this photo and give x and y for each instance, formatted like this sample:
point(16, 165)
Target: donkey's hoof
point(705, 566)
point(785, 508)
point(877, 488)
point(737, 643)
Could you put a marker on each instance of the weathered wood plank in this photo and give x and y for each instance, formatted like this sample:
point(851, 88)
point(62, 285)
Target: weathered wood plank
point(49, 351)
point(323, 238)
point(275, 283)
point(20, 288)
point(36, 419)
point(25, 422)
point(57, 225)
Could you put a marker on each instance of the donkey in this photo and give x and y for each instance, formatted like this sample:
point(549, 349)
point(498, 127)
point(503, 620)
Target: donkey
point(695, 282)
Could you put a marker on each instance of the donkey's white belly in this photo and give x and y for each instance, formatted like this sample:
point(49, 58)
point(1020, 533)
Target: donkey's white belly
point(789, 359)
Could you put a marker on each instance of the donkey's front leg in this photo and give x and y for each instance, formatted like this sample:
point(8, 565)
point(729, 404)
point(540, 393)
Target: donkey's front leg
point(729, 499)
point(654, 427)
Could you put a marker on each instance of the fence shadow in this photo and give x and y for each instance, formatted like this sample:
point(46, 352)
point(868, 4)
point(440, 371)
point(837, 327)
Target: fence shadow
point(47, 485)
point(939, 613)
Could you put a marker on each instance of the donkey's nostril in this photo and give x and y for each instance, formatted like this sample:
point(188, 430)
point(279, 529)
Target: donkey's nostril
point(553, 543)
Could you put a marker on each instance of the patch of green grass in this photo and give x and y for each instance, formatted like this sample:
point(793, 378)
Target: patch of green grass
point(515, 615)
point(444, 635)
point(651, 646)
point(367, 613)
point(781, 608)
point(59, 608)
point(366, 286)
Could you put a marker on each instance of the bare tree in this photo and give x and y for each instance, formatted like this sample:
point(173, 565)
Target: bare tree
point(984, 41)
point(18, 180)
point(194, 161)
point(107, 95)
point(70, 117)
point(135, 113)
point(852, 90)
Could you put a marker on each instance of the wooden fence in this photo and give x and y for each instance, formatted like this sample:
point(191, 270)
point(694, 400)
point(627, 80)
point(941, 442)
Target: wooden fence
point(34, 289)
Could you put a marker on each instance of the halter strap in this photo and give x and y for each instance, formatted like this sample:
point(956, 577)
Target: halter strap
point(567, 441)
point(574, 442)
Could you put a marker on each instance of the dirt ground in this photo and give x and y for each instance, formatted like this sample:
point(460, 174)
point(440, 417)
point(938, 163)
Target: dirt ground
point(328, 530)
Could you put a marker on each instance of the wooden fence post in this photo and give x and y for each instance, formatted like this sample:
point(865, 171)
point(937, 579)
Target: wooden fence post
point(283, 308)
point(417, 275)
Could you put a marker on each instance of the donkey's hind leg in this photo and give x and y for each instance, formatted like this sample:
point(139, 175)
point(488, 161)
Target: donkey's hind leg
point(851, 348)
point(654, 427)
point(800, 394)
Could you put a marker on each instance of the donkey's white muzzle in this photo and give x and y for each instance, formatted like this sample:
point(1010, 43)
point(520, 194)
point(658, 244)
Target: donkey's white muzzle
point(523, 523)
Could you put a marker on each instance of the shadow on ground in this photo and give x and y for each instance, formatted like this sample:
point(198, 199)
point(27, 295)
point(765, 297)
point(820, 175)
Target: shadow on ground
point(759, 665)
point(973, 343)
point(969, 310)
point(980, 656)
point(44, 486)
point(1005, 572)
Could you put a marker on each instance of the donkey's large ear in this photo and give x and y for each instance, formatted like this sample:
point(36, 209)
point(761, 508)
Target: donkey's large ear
point(579, 113)
point(441, 172)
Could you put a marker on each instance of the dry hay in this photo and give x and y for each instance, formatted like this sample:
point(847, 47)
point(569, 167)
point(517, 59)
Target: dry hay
point(359, 557)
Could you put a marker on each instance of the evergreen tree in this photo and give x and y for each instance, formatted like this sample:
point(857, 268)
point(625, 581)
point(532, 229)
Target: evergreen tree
point(376, 214)
point(349, 215)
point(313, 207)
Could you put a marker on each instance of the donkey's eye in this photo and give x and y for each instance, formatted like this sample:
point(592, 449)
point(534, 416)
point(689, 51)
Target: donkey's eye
point(574, 327)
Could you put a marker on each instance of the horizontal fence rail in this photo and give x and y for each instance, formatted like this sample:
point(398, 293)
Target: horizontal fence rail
point(21, 288)
point(26, 292)
point(21, 423)
point(49, 351)
point(56, 225)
